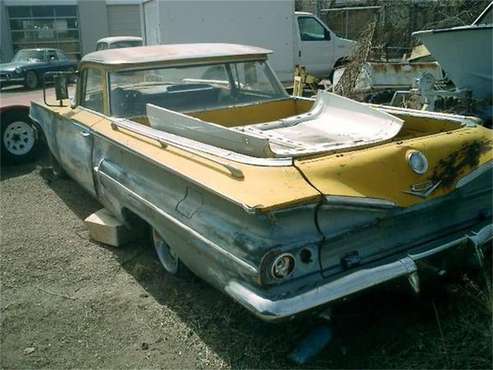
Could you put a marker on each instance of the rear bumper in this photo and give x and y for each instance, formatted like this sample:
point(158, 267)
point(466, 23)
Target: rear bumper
point(408, 266)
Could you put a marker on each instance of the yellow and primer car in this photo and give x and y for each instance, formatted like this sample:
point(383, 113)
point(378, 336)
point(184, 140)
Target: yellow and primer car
point(286, 204)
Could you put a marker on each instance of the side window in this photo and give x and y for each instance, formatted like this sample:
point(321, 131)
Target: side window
point(92, 90)
point(52, 55)
point(312, 30)
point(252, 76)
point(101, 46)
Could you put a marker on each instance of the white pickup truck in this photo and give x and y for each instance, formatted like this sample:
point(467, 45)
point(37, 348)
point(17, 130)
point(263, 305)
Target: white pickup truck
point(295, 37)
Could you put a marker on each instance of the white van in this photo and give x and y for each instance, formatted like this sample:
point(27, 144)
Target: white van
point(295, 37)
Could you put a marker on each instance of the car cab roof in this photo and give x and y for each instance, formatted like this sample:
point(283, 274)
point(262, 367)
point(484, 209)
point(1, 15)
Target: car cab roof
point(173, 54)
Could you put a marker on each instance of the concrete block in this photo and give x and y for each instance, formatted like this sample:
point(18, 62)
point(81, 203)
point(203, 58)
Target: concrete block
point(105, 228)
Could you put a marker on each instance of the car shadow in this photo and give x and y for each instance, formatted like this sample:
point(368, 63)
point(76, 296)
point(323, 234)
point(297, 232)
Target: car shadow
point(11, 170)
point(363, 325)
point(71, 193)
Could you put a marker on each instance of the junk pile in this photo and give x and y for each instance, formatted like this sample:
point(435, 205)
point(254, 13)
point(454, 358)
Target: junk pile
point(470, 70)
point(433, 78)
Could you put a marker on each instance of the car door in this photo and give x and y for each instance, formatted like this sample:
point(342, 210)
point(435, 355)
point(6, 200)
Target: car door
point(74, 136)
point(315, 46)
point(42, 66)
point(54, 62)
point(64, 64)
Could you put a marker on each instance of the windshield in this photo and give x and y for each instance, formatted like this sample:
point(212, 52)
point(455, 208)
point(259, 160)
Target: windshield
point(193, 88)
point(29, 56)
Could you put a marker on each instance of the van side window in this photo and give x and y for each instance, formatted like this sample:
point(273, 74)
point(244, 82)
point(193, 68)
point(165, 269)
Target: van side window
point(92, 90)
point(312, 30)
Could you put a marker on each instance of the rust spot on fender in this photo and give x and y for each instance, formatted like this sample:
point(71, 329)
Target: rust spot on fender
point(455, 164)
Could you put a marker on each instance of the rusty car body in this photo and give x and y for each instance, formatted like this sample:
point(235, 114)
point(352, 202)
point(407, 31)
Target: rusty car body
point(285, 204)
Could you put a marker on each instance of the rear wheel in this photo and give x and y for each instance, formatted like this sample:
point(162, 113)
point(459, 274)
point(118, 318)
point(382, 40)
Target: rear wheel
point(19, 138)
point(32, 80)
point(167, 255)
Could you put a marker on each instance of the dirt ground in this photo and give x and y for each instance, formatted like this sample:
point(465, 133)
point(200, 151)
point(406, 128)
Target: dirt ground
point(68, 302)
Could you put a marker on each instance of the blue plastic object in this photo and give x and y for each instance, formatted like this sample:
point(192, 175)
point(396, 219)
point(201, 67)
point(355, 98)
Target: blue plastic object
point(311, 345)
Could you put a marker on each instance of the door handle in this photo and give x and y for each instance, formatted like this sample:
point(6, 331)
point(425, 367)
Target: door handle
point(299, 53)
point(85, 133)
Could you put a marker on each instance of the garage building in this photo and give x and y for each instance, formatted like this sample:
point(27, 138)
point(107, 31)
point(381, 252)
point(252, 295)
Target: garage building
point(71, 25)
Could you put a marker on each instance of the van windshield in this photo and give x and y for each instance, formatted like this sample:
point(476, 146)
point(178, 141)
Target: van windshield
point(193, 88)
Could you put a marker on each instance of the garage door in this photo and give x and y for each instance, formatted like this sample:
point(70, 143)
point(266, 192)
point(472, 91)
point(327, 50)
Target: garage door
point(124, 20)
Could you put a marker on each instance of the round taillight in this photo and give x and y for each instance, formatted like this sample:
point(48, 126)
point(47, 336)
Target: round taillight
point(417, 161)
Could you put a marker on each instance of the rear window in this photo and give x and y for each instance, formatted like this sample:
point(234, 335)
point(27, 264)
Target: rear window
point(125, 44)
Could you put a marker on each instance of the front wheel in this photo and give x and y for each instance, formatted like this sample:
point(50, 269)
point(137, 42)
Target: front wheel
point(167, 255)
point(20, 139)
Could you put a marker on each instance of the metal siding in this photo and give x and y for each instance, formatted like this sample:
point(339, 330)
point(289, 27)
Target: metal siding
point(267, 24)
point(93, 24)
point(124, 20)
point(6, 52)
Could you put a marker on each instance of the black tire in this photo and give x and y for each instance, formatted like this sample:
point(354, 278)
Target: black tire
point(56, 169)
point(20, 138)
point(169, 260)
point(32, 80)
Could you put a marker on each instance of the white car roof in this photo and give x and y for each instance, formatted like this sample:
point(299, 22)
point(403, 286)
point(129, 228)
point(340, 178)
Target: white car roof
point(113, 39)
point(173, 53)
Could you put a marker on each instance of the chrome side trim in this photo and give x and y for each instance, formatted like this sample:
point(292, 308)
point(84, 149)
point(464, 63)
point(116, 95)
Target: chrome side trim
point(465, 121)
point(346, 201)
point(423, 190)
point(245, 207)
point(245, 265)
point(195, 146)
point(474, 174)
point(271, 310)
point(235, 172)
point(13, 79)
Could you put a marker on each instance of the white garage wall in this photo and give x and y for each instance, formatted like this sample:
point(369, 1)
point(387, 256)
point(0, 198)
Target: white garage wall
point(124, 20)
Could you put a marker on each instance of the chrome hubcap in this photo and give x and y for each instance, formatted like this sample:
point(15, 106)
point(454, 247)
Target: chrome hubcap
point(19, 138)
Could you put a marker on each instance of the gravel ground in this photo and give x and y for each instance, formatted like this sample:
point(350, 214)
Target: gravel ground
point(68, 302)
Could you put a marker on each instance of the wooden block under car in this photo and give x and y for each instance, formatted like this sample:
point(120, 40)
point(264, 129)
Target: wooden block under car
point(105, 228)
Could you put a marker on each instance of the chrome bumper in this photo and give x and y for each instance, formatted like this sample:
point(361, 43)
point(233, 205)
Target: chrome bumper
point(271, 310)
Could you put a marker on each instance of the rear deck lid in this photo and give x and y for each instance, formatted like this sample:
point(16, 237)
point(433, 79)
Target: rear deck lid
point(384, 172)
